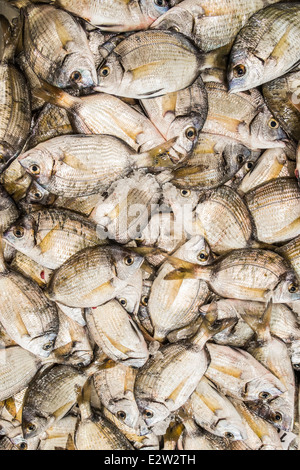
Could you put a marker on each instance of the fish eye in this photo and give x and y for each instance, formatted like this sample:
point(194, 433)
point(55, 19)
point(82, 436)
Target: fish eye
point(239, 71)
point(129, 260)
point(123, 302)
point(105, 71)
point(185, 193)
point(250, 165)
point(145, 300)
point(161, 3)
point(273, 123)
point(202, 256)
point(264, 395)
point(191, 133)
point(23, 446)
point(229, 435)
point(121, 415)
point(31, 427)
point(293, 288)
point(19, 232)
point(80, 364)
point(38, 195)
point(240, 158)
point(48, 346)
point(148, 414)
point(35, 169)
point(296, 366)
point(76, 76)
point(278, 417)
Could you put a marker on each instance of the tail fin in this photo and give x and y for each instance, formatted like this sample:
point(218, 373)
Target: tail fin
point(158, 157)
point(261, 326)
point(10, 37)
point(54, 95)
point(186, 270)
point(210, 327)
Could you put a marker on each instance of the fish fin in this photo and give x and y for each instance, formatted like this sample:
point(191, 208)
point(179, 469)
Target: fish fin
point(175, 394)
point(281, 47)
point(63, 34)
point(70, 443)
point(189, 170)
point(186, 270)
point(21, 327)
point(10, 405)
point(3, 268)
point(285, 232)
point(261, 326)
point(47, 241)
point(60, 412)
point(73, 162)
point(65, 350)
point(158, 157)
point(10, 38)
point(211, 327)
point(54, 95)
point(107, 287)
point(217, 58)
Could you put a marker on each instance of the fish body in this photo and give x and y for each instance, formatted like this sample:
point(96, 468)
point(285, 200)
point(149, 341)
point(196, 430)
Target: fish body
point(141, 66)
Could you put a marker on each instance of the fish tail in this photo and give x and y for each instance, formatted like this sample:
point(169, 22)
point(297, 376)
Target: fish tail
point(210, 327)
point(11, 38)
point(54, 95)
point(158, 157)
point(261, 326)
point(186, 270)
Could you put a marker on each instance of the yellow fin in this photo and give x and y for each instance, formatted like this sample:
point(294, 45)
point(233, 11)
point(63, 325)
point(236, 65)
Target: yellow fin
point(146, 69)
point(10, 405)
point(175, 394)
point(232, 372)
point(73, 162)
point(118, 346)
point(282, 46)
point(62, 33)
point(47, 243)
point(106, 288)
point(63, 410)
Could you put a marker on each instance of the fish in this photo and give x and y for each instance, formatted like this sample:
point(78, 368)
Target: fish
point(209, 24)
point(252, 274)
point(50, 237)
point(224, 219)
point(116, 16)
point(282, 98)
point(172, 306)
point(115, 388)
point(138, 68)
point(93, 276)
point(59, 54)
point(29, 268)
point(101, 113)
point(17, 368)
point(52, 394)
point(266, 48)
point(212, 411)
point(237, 374)
point(243, 117)
point(214, 161)
point(117, 335)
point(59, 434)
point(26, 314)
point(95, 432)
point(159, 390)
point(8, 210)
point(15, 109)
point(181, 114)
point(83, 165)
point(194, 438)
point(275, 211)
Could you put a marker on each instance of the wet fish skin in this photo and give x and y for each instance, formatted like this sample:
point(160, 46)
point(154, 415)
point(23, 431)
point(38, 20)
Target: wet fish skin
point(137, 68)
point(8, 210)
point(274, 208)
point(266, 48)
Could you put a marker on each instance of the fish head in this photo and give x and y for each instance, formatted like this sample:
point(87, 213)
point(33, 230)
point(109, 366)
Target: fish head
point(238, 154)
point(279, 412)
point(33, 425)
point(77, 72)
point(231, 429)
point(152, 412)
point(153, 9)
point(180, 198)
point(38, 163)
point(130, 298)
point(265, 129)
point(196, 250)
point(43, 346)
point(187, 130)
point(245, 71)
point(177, 19)
point(38, 195)
point(110, 75)
point(263, 389)
point(126, 411)
point(126, 262)
point(21, 235)
point(287, 290)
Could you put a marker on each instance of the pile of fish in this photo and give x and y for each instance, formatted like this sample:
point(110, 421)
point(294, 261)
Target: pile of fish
point(150, 225)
